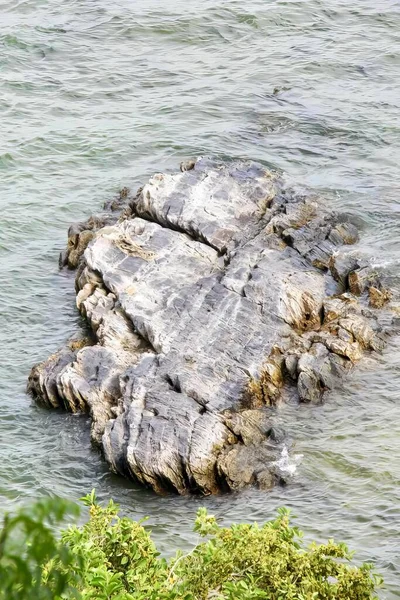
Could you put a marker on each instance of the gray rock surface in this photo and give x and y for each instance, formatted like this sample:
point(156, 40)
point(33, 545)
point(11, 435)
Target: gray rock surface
point(209, 294)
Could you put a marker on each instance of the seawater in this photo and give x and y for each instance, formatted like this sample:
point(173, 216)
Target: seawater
point(96, 95)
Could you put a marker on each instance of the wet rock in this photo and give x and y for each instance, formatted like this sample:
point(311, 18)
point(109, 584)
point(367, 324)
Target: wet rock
point(291, 362)
point(309, 387)
point(207, 293)
point(344, 233)
point(188, 165)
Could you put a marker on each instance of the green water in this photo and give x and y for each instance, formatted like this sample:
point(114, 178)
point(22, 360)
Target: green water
point(96, 95)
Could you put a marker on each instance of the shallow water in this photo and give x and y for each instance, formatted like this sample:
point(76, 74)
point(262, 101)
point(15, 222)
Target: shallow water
point(96, 95)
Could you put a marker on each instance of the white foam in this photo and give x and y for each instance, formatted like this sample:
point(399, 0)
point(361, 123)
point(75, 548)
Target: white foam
point(288, 464)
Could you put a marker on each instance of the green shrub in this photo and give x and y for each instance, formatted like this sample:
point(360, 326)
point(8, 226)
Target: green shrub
point(114, 558)
point(33, 563)
point(269, 562)
point(119, 559)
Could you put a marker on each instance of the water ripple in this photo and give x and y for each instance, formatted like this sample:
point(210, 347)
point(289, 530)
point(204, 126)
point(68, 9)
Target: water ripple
point(100, 94)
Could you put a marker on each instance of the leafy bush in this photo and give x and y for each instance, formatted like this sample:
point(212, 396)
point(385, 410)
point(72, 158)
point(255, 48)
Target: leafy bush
point(120, 560)
point(114, 558)
point(27, 543)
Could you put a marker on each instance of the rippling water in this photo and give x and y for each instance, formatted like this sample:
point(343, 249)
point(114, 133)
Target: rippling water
point(96, 95)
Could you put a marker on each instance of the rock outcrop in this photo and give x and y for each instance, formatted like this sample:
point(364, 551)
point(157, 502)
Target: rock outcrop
point(211, 294)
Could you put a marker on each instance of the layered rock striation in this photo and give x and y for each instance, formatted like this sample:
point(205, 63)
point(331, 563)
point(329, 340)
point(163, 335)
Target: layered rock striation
point(212, 294)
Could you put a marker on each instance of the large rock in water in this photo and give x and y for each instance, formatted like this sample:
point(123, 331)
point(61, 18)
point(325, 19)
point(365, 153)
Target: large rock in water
point(212, 294)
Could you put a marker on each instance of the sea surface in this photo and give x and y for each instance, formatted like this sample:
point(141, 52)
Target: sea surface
point(100, 94)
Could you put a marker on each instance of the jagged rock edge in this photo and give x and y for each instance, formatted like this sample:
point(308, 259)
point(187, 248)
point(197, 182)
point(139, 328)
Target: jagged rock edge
point(129, 209)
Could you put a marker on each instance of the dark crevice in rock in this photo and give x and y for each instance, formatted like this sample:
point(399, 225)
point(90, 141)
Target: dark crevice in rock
point(221, 480)
point(174, 383)
point(194, 235)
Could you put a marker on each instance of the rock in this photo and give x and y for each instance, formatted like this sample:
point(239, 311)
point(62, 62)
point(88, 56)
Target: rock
point(309, 387)
point(378, 298)
point(187, 165)
point(80, 234)
point(208, 293)
point(341, 264)
point(361, 279)
point(291, 362)
point(344, 233)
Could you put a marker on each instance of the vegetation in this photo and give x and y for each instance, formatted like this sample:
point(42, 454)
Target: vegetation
point(114, 558)
point(34, 564)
